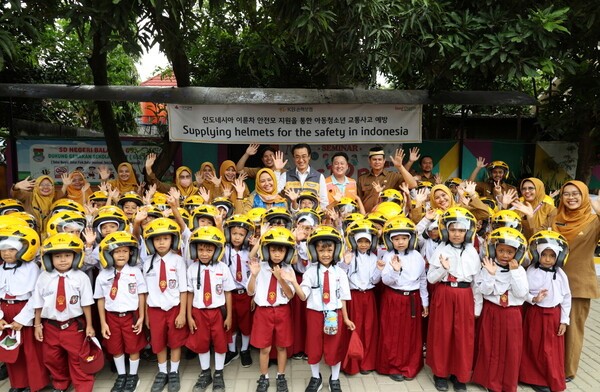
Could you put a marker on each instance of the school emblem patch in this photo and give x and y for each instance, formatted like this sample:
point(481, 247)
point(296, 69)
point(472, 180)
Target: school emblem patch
point(113, 292)
point(219, 289)
point(325, 296)
point(132, 288)
point(172, 283)
point(272, 296)
point(162, 284)
point(74, 299)
point(60, 300)
point(207, 297)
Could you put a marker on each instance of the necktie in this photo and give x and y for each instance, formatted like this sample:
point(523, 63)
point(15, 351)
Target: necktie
point(326, 294)
point(238, 269)
point(115, 286)
point(207, 289)
point(272, 295)
point(61, 300)
point(504, 299)
point(162, 282)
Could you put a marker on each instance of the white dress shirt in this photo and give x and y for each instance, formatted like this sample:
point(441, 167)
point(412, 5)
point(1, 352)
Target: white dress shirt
point(230, 259)
point(559, 292)
point(220, 282)
point(464, 264)
point(312, 286)
point(492, 287)
point(176, 281)
point(412, 274)
point(131, 284)
point(362, 271)
point(263, 280)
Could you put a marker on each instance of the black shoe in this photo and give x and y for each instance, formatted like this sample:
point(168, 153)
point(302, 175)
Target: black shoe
point(366, 371)
point(119, 383)
point(334, 385)
point(539, 388)
point(569, 379)
point(230, 356)
point(263, 384)
point(441, 384)
point(17, 389)
point(147, 355)
point(160, 381)
point(298, 356)
point(219, 384)
point(174, 385)
point(458, 386)
point(246, 358)
point(3, 372)
point(58, 390)
point(397, 377)
point(315, 384)
point(281, 383)
point(133, 380)
point(204, 380)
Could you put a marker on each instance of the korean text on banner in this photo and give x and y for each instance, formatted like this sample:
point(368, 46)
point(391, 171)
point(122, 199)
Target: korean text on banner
point(290, 124)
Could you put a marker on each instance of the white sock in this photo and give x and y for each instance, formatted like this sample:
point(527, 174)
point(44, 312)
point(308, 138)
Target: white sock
point(162, 367)
point(245, 342)
point(219, 361)
point(120, 364)
point(266, 376)
point(315, 370)
point(133, 366)
point(231, 346)
point(174, 367)
point(335, 371)
point(204, 360)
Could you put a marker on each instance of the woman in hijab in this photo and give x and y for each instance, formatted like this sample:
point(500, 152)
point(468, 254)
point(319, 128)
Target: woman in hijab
point(535, 207)
point(265, 194)
point(76, 187)
point(227, 177)
point(183, 179)
point(126, 180)
point(37, 197)
point(204, 178)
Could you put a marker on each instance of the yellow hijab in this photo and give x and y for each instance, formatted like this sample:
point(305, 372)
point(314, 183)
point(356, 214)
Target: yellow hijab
point(540, 197)
point(206, 183)
point(185, 191)
point(264, 195)
point(224, 166)
point(444, 189)
point(130, 185)
point(75, 194)
point(570, 222)
point(39, 203)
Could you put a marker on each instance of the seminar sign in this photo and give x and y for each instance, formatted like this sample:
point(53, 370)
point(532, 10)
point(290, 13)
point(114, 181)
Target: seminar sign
point(291, 124)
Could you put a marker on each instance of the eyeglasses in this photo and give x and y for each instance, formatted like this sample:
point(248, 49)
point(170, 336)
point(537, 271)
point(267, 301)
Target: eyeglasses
point(527, 188)
point(572, 194)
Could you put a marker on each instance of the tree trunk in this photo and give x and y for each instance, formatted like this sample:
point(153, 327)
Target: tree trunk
point(585, 155)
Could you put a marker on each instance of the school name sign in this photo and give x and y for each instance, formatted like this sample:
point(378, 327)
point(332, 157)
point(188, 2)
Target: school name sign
point(291, 124)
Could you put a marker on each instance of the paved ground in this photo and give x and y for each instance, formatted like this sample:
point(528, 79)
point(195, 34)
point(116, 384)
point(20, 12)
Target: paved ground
point(241, 379)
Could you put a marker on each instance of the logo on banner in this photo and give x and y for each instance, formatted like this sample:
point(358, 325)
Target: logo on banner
point(38, 154)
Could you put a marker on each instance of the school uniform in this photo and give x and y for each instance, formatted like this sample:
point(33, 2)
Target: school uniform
point(16, 287)
point(241, 302)
point(325, 289)
point(297, 305)
point(209, 283)
point(500, 330)
point(363, 275)
point(451, 332)
point(166, 279)
point(272, 323)
point(540, 328)
point(64, 325)
point(400, 348)
point(121, 291)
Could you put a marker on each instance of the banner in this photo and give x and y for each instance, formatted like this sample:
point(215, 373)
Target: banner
point(291, 124)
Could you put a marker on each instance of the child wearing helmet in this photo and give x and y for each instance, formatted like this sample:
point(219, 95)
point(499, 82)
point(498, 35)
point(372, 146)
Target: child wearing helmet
point(239, 232)
point(502, 286)
point(166, 279)
point(110, 219)
point(404, 302)
point(454, 265)
point(209, 285)
point(325, 289)
point(547, 318)
point(272, 324)
point(364, 272)
point(62, 301)
point(18, 248)
point(120, 290)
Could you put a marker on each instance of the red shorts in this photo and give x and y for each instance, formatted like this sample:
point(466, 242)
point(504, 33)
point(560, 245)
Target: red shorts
point(272, 325)
point(163, 333)
point(319, 344)
point(209, 324)
point(122, 338)
point(242, 316)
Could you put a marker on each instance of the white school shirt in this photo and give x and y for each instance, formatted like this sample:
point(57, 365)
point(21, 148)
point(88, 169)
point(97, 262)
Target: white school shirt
point(312, 287)
point(412, 275)
point(131, 285)
point(220, 282)
point(176, 281)
point(20, 283)
point(78, 293)
point(230, 260)
point(492, 287)
point(559, 292)
point(302, 260)
point(362, 271)
point(464, 263)
point(261, 286)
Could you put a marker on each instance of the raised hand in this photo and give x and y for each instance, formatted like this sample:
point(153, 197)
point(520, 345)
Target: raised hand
point(469, 187)
point(227, 189)
point(240, 187)
point(278, 162)
point(431, 214)
point(421, 196)
point(25, 185)
point(481, 162)
point(66, 180)
point(437, 178)
point(445, 262)
point(489, 265)
point(398, 157)
point(508, 197)
point(380, 265)
point(525, 208)
point(396, 263)
point(348, 256)
point(377, 187)
point(254, 266)
point(104, 172)
point(291, 194)
point(414, 154)
point(90, 236)
point(205, 194)
point(541, 295)
point(214, 179)
point(150, 159)
point(252, 149)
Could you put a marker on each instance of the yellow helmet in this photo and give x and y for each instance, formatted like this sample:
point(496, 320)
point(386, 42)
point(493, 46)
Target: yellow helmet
point(130, 196)
point(498, 164)
point(348, 219)
point(361, 227)
point(192, 202)
point(392, 195)
point(377, 217)
point(27, 217)
point(208, 235)
point(224, 203)
point(278, 215)
point(12, 220)
point(347, 205)
point(159, 199)
point(8, 206)
point(506, 218)
point(309, 215)
point(256, 214)
point(187, 218)
point(491, 203)
point(62, 242)
point(424, 184)
point(153, 211)
point(454, 181)
point(112, 214)
point(203, 211)
point(461, 216)
point(389, 209)
point(158, 227)
point(116, 240)
point(239, 220)
point(67, 204)
point(399, 225)
point(98, 196)
point(306, 194)
point(65, 220)
point(325, 233)
point(278, 236)
point(28, 238)
point(510, 237)
point(549, 239)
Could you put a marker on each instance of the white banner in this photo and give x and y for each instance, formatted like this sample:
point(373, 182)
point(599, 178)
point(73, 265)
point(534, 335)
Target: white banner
point(291, 124)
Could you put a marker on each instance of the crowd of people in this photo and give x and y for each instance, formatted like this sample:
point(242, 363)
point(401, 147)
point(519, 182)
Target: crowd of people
point(483, 282)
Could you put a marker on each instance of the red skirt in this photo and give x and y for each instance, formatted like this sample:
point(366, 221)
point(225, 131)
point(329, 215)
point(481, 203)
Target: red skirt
point(400, 348)
point(543, 351)
point(499, 347)
point(362, 310)
point(451, 333)
point(298, 308)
